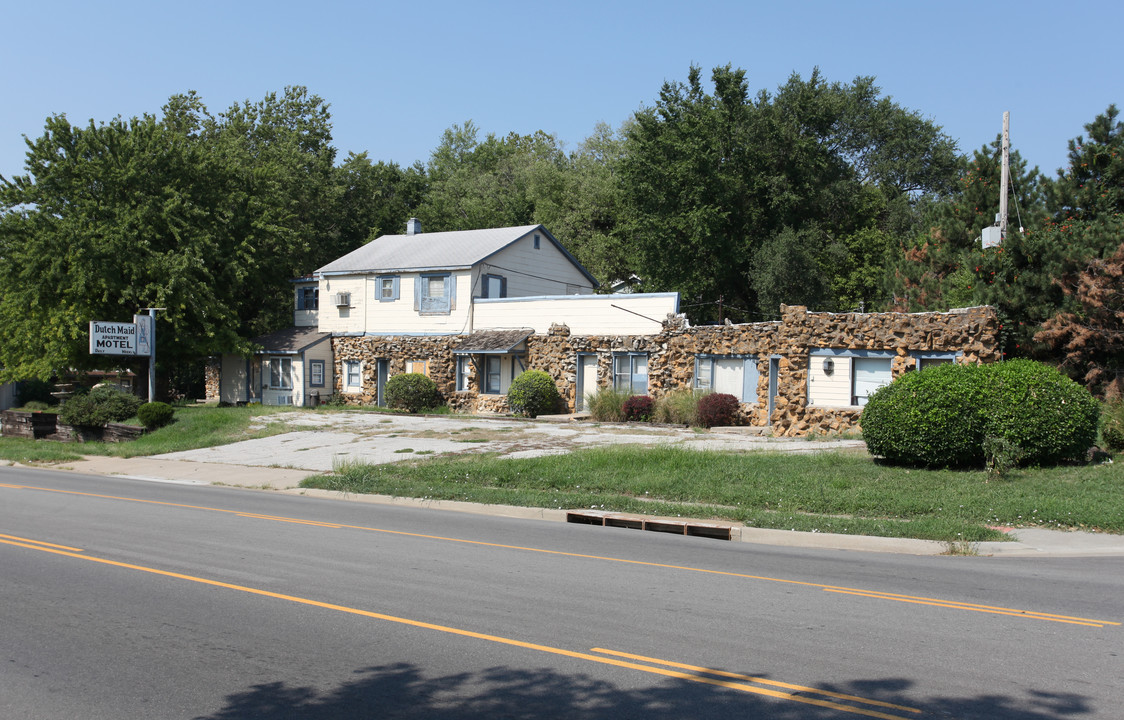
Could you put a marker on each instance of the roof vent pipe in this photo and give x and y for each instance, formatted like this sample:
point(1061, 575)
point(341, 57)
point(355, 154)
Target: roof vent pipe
point(413, 226)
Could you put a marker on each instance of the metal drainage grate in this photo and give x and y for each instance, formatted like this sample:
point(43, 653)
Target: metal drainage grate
point(718, 531)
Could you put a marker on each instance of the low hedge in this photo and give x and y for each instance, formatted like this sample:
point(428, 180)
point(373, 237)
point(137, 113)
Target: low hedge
point(942, 416)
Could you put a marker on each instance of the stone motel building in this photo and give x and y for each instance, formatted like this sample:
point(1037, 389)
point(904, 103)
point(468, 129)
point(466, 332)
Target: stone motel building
point(473, 309)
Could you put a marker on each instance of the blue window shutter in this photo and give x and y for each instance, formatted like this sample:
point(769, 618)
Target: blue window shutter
point(749, 381)
point(419, 281)
point(451, 292)
point(503, 287)
point(397, 290)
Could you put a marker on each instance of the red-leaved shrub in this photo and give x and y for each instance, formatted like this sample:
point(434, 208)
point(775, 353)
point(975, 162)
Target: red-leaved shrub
point(639, 408)
point(717, 409)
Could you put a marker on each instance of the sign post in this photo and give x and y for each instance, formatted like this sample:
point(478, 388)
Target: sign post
point(146, 345)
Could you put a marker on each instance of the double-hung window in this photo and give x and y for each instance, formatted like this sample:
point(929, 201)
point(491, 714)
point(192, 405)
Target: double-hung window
point(387, 288)
point(316, 373)
point(353, 375)
point(464, 372)
point(492, 372)
point(495, 286)
point(732, 375)
point(280, 373)
point(630, 373)
point(434, 293)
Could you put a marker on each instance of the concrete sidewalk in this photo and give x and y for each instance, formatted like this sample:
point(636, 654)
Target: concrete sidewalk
point(1026, 542)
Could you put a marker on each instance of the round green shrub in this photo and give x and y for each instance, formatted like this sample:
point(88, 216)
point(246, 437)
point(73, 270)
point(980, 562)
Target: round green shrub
point(931, 418)
point(533, 393)
point(717, 409)
point(941, 417)
point(36, 406)
point(98, 407)
point(83, 411)
point(1112, 425)
point(119, 406)
point(412, 392)
point(639, 408)
point(1039, 409)
point(155, 414)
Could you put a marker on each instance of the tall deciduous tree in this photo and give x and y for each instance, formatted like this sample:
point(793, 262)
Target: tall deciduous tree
point(732, 197)
point(375, 199)
point(206, 216)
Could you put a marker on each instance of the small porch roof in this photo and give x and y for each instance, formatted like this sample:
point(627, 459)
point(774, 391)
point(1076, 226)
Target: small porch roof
point(289, 341)
point(493, 342)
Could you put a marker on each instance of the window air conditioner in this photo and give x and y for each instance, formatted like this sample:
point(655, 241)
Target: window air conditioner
point(343, 299)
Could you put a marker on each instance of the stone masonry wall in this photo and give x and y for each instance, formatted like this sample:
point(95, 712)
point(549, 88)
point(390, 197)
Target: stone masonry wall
point(212, 379)
point(672, 351)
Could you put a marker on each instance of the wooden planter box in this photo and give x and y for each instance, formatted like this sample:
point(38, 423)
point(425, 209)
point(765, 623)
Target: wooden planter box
point(113, 432)
point(23, 423)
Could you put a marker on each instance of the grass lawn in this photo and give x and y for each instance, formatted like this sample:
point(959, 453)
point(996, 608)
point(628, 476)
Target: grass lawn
point(839, 492)
point(194, 427)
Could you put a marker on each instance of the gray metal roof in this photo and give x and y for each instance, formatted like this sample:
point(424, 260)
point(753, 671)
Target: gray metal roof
point(428, 251)
point(438, 251)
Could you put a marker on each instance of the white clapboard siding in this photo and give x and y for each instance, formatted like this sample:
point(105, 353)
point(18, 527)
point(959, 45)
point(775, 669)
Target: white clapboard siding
point(829, 390)
point(527, 269)
point(634, 314)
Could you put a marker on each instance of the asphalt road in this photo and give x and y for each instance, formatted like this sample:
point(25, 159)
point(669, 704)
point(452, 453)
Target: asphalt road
point(127, 599)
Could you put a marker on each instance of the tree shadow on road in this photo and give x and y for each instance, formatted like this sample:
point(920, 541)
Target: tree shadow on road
point(403, 691)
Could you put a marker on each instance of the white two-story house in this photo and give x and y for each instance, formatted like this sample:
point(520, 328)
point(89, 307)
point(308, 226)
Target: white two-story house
point(405, 295)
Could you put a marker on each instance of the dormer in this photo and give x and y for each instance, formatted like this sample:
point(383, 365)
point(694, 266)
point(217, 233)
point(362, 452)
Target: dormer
point(306, 299)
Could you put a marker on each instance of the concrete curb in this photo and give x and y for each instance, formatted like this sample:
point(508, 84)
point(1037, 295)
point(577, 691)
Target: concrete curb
point(1026, 542)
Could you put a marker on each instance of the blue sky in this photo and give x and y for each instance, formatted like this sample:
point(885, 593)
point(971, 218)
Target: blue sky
point(397, 74)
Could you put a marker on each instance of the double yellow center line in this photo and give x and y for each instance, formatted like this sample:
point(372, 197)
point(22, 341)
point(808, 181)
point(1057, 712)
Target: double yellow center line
point(858, 592)
point(666, 668)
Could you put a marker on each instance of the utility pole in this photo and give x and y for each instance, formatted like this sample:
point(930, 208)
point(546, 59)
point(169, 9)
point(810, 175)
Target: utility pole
point(994, 235)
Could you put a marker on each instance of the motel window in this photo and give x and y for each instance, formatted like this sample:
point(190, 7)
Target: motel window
point(433, 294)
point(868, 374)
point(492, 374)
point(316, 373)
point(464, 372)
point(353, 375)
point(735, 376)
point(388, 286)
point(280, 373)
point(308, 298)
point(421, 367)
point(495, 286)
point(630, 373)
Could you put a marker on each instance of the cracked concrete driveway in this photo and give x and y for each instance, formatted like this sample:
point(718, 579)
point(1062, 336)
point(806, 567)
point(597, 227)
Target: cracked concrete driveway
point(319, 441)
